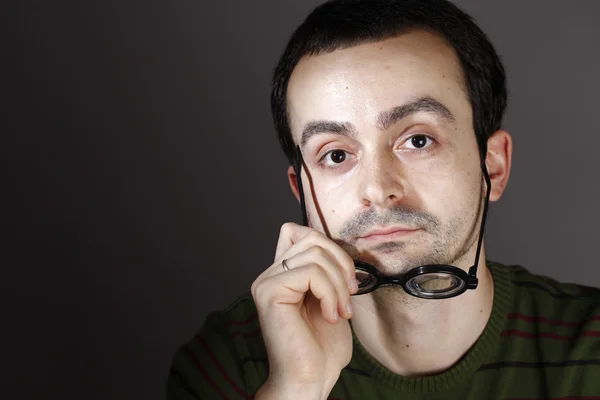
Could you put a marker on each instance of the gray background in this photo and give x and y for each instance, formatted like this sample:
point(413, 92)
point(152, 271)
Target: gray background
point(145, 186)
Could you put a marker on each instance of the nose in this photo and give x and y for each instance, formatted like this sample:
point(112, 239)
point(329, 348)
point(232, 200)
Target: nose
point(382, 183)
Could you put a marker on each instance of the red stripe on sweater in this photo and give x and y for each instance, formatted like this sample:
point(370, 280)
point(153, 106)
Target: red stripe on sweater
point(549, 321)
point(205, 374)
point(221, 369)
point(547, 335)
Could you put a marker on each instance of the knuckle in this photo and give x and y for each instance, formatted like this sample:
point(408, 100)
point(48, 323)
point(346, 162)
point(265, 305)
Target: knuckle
point(314, 269)
point(258, 292)
point(347, 264)
point(314, 235)
point(318, 252)
point(253, 288)
point(286, 228)
point(347, 260)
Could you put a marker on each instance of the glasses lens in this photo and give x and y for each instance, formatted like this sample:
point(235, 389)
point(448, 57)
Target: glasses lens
point(434, 285)
point(365, 281)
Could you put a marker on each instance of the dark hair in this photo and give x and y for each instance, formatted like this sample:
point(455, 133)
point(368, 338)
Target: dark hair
point(339, 24)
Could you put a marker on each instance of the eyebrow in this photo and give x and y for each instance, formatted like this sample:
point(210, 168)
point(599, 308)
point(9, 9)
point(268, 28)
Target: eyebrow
point(384, 120)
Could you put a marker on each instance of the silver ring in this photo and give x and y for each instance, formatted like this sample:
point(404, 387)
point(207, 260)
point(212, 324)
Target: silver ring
point(285, 267)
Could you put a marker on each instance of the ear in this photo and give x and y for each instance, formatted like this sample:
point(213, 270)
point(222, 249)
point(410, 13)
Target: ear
point(293, 184)
point(498, 162)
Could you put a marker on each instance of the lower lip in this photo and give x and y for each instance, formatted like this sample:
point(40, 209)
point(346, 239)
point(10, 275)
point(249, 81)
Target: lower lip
point(388, 236)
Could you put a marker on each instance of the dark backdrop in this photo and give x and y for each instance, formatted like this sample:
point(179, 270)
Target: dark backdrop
point(145, 187)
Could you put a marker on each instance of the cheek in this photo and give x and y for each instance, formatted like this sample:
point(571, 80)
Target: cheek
point(329, 201)
point(447, 192)
point(458, 172)
point(338, 206)
point(332, 191)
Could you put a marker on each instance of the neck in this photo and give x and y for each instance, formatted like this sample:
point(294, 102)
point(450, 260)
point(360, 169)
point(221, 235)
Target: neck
point(414, 337)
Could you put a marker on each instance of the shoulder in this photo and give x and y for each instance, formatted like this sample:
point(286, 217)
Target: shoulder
point(227, 354)
point(556, 323)
point(550, 294)
point(543, 302)
point(550, 336)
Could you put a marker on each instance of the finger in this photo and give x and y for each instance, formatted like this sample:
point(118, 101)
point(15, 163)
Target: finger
point(323, 258)
point(292, 286)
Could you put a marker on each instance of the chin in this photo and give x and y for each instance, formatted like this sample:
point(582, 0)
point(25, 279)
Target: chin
point(393, 263)
point(396, 260)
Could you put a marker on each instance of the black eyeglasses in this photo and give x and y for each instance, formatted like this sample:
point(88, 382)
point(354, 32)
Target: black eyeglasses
point(433, 281)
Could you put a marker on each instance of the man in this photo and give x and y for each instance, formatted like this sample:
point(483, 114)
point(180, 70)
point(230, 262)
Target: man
point(390, 114)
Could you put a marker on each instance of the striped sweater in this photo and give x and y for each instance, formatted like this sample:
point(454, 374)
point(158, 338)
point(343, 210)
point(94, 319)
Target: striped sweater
point(542, 341)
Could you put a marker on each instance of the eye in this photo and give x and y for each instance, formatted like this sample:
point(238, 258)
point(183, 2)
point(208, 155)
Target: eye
point(333, 158)
point(419, 142)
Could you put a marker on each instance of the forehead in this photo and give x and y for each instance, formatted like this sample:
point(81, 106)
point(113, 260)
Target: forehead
point(357, 83)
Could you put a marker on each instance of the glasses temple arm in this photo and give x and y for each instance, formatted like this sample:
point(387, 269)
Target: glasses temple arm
point(473, 269)
point(298, 170)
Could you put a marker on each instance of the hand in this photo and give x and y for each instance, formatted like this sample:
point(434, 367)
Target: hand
point(303, 312)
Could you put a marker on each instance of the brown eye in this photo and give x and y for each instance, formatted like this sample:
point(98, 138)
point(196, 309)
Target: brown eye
point(419, 141)
point(338, 156)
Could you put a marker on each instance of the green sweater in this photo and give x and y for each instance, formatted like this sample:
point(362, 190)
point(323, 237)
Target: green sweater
point(542, 341)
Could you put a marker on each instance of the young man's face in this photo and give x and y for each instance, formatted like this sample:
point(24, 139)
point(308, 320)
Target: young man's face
point(389, 142)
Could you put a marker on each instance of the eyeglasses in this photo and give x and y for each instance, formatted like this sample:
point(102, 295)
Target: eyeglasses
point(433, 281)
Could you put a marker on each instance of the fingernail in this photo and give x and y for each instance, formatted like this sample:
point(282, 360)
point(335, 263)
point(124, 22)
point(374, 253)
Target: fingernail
point(335, 315)
point(349, 308)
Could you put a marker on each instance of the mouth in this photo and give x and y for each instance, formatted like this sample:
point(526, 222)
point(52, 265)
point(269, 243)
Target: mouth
point(388, 235)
